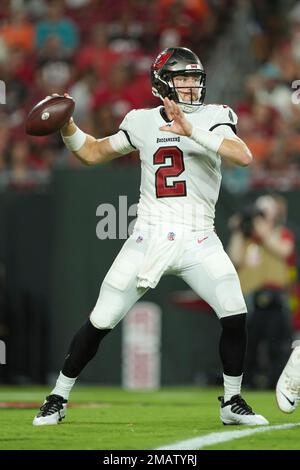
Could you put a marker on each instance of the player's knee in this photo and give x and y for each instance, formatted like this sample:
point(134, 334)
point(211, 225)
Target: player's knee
point(108, 311)
point(233, 306)
point(101, 322)
point(230, 298)
point(104, 319)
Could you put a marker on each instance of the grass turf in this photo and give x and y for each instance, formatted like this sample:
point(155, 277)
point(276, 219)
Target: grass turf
point(111, 418)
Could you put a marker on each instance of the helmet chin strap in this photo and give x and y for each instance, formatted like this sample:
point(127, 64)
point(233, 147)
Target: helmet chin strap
point(188, 108)
point(185, 107)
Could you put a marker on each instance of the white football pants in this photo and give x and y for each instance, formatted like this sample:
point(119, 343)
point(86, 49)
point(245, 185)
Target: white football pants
point(202, 264)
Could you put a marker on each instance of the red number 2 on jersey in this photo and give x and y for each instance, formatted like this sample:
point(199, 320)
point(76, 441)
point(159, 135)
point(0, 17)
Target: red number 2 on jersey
point(177, 188)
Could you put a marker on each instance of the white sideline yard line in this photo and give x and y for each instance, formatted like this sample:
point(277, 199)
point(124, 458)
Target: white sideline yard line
point(199, 442)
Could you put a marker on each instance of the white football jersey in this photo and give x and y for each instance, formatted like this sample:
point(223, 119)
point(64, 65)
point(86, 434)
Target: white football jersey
point(180, 180)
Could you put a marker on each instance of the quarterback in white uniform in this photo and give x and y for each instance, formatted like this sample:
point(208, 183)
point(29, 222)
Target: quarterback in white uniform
point(181, 146)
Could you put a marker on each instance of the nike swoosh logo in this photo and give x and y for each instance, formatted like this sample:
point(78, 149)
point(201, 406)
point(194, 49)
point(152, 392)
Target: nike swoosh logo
point(200, 240)
point(292, 403)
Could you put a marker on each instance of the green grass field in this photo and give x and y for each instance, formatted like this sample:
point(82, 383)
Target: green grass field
point(110, 418)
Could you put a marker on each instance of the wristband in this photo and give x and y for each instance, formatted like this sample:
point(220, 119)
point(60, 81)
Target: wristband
point(75, 141)
point(207, 139)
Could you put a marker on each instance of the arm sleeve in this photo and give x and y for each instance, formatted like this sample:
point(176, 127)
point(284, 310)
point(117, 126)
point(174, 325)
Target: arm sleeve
point(120, 143)
point(225, 123)
point(226, 131)
point(128, 127)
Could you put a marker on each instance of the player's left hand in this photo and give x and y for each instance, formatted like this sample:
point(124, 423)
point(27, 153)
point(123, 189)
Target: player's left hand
point(180, 124)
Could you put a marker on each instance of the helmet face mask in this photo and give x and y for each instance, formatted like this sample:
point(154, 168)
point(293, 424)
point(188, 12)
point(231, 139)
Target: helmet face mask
point(178, 74)
point(188, 88)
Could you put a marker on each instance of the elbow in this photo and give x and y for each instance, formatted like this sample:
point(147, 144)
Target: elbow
point(87, 162)
point(87, 156)
point(85, 159)
point(244, 157)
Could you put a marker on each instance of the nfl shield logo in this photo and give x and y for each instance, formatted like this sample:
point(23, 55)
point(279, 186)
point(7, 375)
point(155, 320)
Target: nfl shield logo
point(171, 236)
point(139, 239)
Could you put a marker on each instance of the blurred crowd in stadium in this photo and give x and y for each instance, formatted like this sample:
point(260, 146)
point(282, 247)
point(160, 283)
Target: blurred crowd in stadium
point(101, 51)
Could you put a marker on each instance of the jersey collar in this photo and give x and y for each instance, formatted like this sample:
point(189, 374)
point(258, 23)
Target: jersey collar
point(164, 114)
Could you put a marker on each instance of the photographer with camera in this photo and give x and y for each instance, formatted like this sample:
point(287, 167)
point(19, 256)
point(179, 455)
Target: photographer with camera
point(262, 250)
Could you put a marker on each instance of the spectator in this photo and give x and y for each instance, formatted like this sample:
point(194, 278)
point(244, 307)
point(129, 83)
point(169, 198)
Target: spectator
point(58, 25)
point(97, 54)
point(260, 248)
point(18, 33)
point(82, 91)
point(117, 91)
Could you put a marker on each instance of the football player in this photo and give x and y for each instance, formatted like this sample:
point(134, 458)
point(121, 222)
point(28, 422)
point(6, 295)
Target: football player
point(181, 144)
point(288, 385)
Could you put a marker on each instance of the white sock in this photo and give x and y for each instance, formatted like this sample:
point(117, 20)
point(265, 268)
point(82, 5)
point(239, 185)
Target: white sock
point(232, 386)
point(63, 386)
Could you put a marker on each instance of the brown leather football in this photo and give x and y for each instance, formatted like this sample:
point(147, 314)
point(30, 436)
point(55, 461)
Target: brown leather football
point(49, 115)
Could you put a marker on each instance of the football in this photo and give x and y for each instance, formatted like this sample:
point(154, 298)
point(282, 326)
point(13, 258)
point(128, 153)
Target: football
point(49, 115)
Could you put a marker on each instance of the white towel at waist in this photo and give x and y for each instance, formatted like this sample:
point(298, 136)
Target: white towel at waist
point(161, 253)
